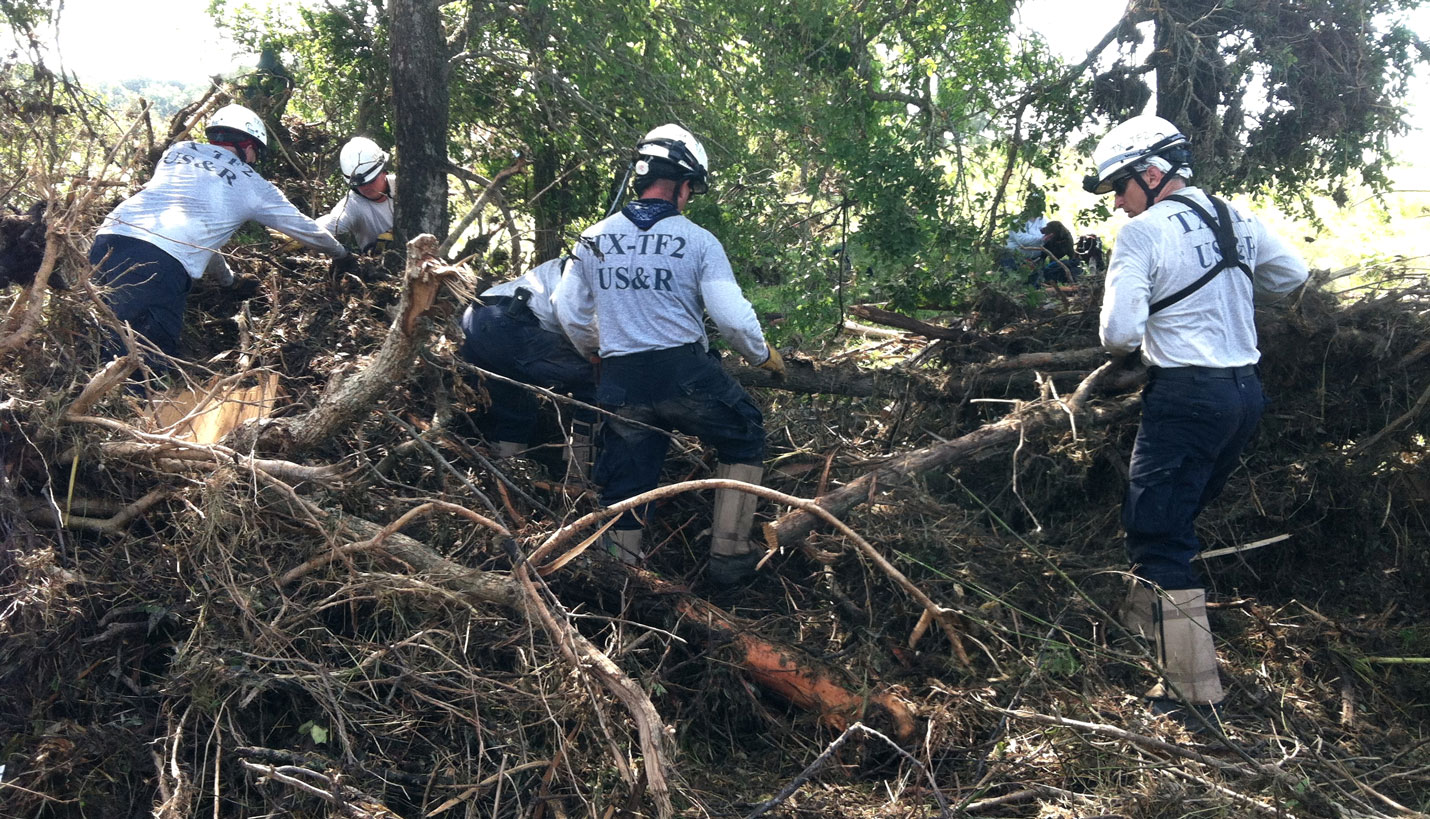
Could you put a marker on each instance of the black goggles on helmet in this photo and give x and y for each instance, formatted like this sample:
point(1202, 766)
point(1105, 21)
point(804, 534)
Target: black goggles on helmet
point(235, 138)
point(682, 160)
point(1172, 148)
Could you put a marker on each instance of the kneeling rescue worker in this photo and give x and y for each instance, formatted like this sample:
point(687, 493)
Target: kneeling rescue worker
point(512, 331)
point(1180, 287)
point(366, 211)
point(637, 293)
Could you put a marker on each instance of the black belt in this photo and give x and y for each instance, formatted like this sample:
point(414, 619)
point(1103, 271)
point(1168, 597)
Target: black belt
point(692, 348)
point(1243, 371)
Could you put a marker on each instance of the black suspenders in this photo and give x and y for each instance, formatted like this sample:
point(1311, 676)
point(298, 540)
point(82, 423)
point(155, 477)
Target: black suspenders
point(1226, 243)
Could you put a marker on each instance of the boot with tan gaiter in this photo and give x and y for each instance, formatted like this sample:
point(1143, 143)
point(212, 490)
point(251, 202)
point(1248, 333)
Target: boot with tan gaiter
point(625, 545)
point(1176, 621)
point(733, 556)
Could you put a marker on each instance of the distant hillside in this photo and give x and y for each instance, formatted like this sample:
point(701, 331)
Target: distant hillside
point(167, 96)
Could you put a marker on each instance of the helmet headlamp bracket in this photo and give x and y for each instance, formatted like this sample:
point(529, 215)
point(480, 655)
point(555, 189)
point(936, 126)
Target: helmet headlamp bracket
point(677, 155)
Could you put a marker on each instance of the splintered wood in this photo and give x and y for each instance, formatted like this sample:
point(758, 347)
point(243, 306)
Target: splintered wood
point(208, 414)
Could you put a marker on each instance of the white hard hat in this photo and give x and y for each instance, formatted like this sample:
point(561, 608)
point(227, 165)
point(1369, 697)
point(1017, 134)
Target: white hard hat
point(672, 152)
point(238, 119)
point(1131, 142)
point(361, 161)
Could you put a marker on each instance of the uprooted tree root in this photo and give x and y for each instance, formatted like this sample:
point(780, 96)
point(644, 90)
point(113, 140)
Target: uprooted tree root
point(374, 618)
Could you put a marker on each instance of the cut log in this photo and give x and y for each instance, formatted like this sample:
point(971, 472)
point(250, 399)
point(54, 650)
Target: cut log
point(791, 672)
point(208, 414)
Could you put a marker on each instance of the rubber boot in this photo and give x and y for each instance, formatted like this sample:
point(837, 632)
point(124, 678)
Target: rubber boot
point(1187, 653)
point(625, 544)
point(732, 556)
point(507, 449)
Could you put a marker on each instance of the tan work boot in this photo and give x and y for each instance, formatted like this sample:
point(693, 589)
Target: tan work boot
point(732, 556)
point(1187, 652)
point(625, 544)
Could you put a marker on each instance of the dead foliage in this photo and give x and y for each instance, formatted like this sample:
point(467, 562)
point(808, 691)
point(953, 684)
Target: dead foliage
point(380, 620)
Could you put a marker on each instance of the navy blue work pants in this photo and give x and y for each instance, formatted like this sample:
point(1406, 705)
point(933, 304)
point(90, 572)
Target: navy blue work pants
point(681, 389)
point(1195, 423)
point(517, 347)
point(148, 288)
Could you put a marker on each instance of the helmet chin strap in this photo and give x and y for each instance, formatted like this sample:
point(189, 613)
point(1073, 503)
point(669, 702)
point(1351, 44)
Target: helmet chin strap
point(1153, 193)
point(618, 189)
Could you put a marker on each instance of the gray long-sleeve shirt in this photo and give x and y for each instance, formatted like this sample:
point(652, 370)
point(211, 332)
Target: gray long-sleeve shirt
point(198, 197)
point(1166, 248)
point(363, 218)
point(631, 290)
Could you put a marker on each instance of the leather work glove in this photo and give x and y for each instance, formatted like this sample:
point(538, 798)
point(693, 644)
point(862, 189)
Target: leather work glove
point(775, 364)
point(225, 276)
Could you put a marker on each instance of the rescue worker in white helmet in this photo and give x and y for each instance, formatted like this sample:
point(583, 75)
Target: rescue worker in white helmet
point(365, 212)
point(1180, 287)
point(151, 248)
point(637, 294)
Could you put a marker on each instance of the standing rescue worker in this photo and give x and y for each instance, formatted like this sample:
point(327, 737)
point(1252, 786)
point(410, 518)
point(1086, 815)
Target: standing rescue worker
point(513, 331)
point(366, 211)
point(1180, 287)
point(637, 294)
point(151, 248)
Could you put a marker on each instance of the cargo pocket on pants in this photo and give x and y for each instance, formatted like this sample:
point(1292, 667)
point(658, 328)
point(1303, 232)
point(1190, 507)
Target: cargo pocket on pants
point(1151, 505)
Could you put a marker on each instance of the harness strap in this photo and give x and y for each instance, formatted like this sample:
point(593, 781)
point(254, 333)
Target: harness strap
point(1226, 243)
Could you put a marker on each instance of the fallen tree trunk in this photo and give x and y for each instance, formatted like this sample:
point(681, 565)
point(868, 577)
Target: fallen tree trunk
point(879, 315)
point(1004, 377)
point(812, 378)
point(897, 471)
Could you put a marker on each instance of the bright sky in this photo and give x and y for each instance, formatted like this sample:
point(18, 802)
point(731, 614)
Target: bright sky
point(177, 40)
point(119, 40)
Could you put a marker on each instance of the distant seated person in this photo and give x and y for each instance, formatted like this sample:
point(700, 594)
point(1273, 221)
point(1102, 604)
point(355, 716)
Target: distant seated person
point(1023, 248)
point(365, 212)
point(1060, 264)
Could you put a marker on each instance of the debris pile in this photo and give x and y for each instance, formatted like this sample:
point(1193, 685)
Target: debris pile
point(319, 593)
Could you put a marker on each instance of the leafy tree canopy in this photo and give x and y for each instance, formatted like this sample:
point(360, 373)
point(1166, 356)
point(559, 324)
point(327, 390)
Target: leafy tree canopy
point(1301, 97)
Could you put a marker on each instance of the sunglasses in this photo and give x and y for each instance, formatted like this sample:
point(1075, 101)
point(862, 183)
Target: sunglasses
point(1119, 185)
